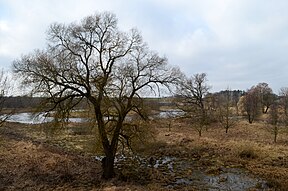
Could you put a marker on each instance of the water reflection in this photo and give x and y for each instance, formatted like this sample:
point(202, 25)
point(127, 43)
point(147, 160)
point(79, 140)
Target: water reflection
point(185, 172)
point(170, 113)
point(32, 118)
point(38, 118)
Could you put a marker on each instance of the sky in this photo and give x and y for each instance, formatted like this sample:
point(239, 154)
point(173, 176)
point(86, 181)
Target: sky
point(238, 43)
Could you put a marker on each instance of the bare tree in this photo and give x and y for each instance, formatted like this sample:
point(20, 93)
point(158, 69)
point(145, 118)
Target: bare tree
point(192, 92)
point(251, 104)
point(284, 103)
point(4, 90)
point(225, 112)
point(266, 96)
point(274, 119)
point(235, 99)
point(93, 60)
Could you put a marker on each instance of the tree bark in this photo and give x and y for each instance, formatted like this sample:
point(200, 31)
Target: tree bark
point(266, 110)
point(200, 132)
point(250, 119)
point(108, 167)
point(108, 160)
point(275, 133)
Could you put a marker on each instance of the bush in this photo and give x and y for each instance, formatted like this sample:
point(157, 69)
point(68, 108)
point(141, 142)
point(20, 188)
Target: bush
point(248, 153)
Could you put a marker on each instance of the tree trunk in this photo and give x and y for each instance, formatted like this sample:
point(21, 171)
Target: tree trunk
point(200, 132)
point(108, 167)
point(266, 110)
point(227, 122)
point(108, 160)
point(250, 119)
point(275, 133)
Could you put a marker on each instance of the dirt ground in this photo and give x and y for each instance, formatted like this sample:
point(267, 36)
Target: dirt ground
point(30, 162)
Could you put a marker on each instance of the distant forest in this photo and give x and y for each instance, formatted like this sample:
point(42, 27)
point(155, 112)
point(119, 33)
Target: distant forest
point(21, 102)
point(153, 103)
point(35, 102)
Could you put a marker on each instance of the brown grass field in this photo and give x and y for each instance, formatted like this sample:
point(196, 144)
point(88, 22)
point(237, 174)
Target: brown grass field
point(31, 161)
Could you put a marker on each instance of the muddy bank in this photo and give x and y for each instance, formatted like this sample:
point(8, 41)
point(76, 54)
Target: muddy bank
point(178, 173)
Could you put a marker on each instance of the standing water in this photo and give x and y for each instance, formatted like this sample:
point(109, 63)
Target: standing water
point(31, 118)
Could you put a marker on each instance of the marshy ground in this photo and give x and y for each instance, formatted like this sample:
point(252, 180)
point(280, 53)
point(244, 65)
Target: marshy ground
point(246, 158)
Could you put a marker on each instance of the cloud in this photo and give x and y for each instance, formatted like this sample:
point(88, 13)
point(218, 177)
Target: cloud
point(4, 28)
point(241, 43)
point(238, 43)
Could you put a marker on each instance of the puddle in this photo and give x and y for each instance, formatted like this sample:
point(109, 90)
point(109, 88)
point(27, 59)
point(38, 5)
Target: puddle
point(233, 179)
point(183, 172)
point(228, 179)
point(170, 113)
point(183, 181)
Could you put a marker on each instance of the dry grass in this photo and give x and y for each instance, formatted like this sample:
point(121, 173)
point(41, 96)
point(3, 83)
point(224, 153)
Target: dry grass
point(26, 164)
point(249, 146)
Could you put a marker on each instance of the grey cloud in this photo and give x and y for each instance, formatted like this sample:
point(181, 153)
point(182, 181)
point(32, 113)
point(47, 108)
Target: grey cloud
point(237, 43)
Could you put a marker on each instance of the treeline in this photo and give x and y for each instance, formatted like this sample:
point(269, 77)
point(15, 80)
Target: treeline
point(203, 108)
point(21, 102)
point(36, 102)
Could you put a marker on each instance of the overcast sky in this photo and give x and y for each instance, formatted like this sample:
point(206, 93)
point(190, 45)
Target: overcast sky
point(238, 43)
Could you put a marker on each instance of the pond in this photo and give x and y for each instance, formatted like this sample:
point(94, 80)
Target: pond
point(31, 118)
point(38, 118)
point(170, 113)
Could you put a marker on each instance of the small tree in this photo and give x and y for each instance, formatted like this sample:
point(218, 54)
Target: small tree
point(266, 96)
point(94, 61)
point(251, 104)
point(225, 113)
point(192, 93)
point(236, 95)
point(284, 103)
point(274, 119)
point(4, 89)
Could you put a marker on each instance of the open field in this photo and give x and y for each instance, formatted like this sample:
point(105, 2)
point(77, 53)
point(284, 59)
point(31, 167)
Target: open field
point(31, 160)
